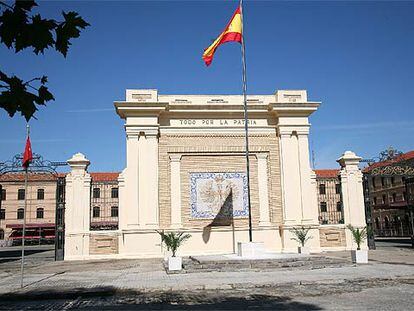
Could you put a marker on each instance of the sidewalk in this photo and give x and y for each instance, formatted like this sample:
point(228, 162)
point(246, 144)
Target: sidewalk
point(148, 275)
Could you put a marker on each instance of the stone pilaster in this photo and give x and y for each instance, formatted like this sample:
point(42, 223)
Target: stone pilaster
point(175, 165)
point(131, 215)
point(299, 192)
point(77, 212)
point(148, 178)
point(263, 189)
point(352, 194)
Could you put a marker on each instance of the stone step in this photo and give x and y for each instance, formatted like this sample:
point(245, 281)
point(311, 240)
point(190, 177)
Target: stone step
point(193, 265)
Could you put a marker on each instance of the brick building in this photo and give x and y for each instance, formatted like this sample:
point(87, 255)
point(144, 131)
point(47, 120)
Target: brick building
point(41, 206)
point(329, 196)
point(388, 191)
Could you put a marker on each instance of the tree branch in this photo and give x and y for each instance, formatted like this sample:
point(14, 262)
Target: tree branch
point(6, 5)
point(34, 79)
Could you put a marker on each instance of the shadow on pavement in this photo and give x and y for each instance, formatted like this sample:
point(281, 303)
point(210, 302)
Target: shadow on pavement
point(107, 298)
point(16, 253)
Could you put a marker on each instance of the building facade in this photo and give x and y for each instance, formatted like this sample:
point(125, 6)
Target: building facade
point(329, 197)
point(186, 171)
point(41, 206)
point(389, 191)
point(40, 212)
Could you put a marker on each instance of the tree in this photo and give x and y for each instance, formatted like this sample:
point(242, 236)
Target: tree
point(21, 29)
point(301, 235)
point(173, 240)
point(359, 235)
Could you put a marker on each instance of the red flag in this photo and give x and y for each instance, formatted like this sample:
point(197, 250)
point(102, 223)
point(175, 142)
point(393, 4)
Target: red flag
point(27, 156)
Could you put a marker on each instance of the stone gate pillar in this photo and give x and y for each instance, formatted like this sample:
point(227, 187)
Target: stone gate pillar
point(300, 206)
point(77, 212)
point(352, 194)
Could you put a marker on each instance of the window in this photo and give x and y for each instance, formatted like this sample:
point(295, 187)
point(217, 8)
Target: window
point(40, 194)
point(20, 194)
point(373, 182)
point(338, 188)
point(394, 197)
point(2, 213)
point(383, 181)
point(384, 199)
point(404, 196)
point(96, 212)
point(20, 213)
point(114, 211)
point(3, 194)
point(375, 200)
point(114, 193)
point(39, 213)
point(392, 181)
point(338, 206)
point(1, 234)
point(322, 189)
point(323, 207)
point(96, 193)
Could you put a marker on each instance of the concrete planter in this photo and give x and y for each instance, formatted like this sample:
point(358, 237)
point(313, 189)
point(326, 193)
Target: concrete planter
point(303, 250)
point(250, 249)
point(175, 263)
point(359, 256)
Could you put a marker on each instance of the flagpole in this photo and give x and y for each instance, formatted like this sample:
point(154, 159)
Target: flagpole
point(24, 214)
point(246, 127)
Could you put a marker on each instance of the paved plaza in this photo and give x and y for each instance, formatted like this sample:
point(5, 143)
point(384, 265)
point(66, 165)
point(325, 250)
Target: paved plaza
point(386, 283)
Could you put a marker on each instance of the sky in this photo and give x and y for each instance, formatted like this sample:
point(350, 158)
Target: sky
point(356, 57)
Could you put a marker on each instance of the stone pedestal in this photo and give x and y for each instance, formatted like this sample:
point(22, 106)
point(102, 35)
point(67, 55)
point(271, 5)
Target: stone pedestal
point(250, 249)
point(77, 212)
point(352, 195)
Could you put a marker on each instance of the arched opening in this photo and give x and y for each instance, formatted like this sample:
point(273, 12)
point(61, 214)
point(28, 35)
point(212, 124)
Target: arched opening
point(40, 213)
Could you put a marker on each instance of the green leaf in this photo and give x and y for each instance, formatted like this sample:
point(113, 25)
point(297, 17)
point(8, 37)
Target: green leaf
point(16, 98)
point(38, 34)
point(25, 5)
point(45, 95)
point(69, 29)
point(12, 23)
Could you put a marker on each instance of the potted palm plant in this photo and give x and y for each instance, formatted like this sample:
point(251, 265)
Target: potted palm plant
point(172, 241)
point(301, 236)
point(359, 235)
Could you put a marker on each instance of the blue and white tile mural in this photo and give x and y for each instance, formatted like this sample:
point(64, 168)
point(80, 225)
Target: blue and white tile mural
point(218, 195)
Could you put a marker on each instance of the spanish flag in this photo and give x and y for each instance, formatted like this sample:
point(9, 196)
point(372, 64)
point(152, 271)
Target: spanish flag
point(232, 32)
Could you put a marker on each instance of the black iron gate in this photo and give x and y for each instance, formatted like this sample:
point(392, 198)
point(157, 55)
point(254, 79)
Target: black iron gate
point(60, 219)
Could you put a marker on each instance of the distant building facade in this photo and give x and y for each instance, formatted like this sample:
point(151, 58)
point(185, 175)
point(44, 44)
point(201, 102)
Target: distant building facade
point(389, 191)
point(40, 213)
point(41, 206)
point(329, 197)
